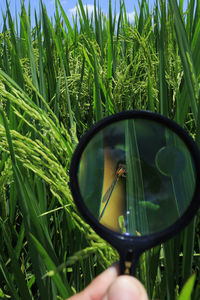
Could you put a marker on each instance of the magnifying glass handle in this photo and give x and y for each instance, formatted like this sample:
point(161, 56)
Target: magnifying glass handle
point(128, 262)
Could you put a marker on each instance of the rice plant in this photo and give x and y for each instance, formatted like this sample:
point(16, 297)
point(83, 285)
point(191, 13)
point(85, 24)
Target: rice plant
point(56, 80)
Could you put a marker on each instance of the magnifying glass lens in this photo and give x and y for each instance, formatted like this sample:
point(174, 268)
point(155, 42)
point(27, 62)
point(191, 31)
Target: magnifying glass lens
point(136, 177)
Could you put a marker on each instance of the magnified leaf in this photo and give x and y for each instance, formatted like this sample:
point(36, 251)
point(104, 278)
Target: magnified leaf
point(135, 214)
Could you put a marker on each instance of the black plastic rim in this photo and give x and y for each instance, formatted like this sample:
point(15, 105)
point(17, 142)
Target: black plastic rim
point(139, 243)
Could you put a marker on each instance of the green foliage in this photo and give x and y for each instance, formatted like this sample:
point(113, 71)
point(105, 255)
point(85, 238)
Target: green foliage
point(187, 290)
point(56, 80)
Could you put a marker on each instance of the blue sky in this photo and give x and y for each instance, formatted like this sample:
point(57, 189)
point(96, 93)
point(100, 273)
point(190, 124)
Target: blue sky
point(69, 6)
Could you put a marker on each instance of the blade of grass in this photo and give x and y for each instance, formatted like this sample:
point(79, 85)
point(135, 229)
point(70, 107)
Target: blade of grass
point(151, 105)
point(136, 219)
point(64, 290)
point(109, 105)
point(85, 21)
point(42, 87)
point(7, 276)
point(67, 22)
point(162, 68)
point(97, 94)
point(186, 57)
point(48, 47)
point(17, 70)
point(27, 34)
point(57, 42)
point(187, 290)
point(188, 250)
point(19, 276)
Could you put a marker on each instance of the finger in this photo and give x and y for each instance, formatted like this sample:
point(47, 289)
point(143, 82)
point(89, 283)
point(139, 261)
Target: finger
point(126, 287)
point(98, 287)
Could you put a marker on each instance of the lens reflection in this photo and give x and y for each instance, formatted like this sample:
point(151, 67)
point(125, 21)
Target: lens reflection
point(136, 177)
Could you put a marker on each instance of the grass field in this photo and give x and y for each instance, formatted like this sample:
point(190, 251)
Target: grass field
point(56, 80)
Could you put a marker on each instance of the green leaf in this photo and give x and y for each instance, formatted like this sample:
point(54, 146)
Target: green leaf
point(187, 290)
point(186, 57)
point(64, 289)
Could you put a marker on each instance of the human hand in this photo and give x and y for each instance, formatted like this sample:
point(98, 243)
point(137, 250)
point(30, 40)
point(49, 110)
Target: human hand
point(109, 286)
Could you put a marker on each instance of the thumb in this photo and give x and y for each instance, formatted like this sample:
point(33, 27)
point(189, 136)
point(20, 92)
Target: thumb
point(126, 288)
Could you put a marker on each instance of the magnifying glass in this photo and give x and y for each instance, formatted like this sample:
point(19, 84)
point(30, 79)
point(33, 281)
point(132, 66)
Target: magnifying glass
point(135, 179)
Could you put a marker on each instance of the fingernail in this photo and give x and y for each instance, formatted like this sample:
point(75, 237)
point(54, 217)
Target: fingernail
point(126, 288)
point(113, 270)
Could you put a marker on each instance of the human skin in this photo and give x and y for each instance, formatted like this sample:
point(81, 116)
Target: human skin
point(109, 286)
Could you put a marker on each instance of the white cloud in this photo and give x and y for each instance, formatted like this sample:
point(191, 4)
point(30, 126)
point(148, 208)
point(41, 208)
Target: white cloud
point(131, 16)
point(90, 8)
point(87, 7)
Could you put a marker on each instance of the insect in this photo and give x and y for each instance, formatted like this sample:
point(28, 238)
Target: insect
point(121, 172)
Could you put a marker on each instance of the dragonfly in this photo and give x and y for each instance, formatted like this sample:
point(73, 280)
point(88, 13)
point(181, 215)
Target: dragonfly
point(121, 172)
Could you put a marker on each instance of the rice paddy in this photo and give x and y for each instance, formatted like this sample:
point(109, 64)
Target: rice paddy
point(58, 79)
